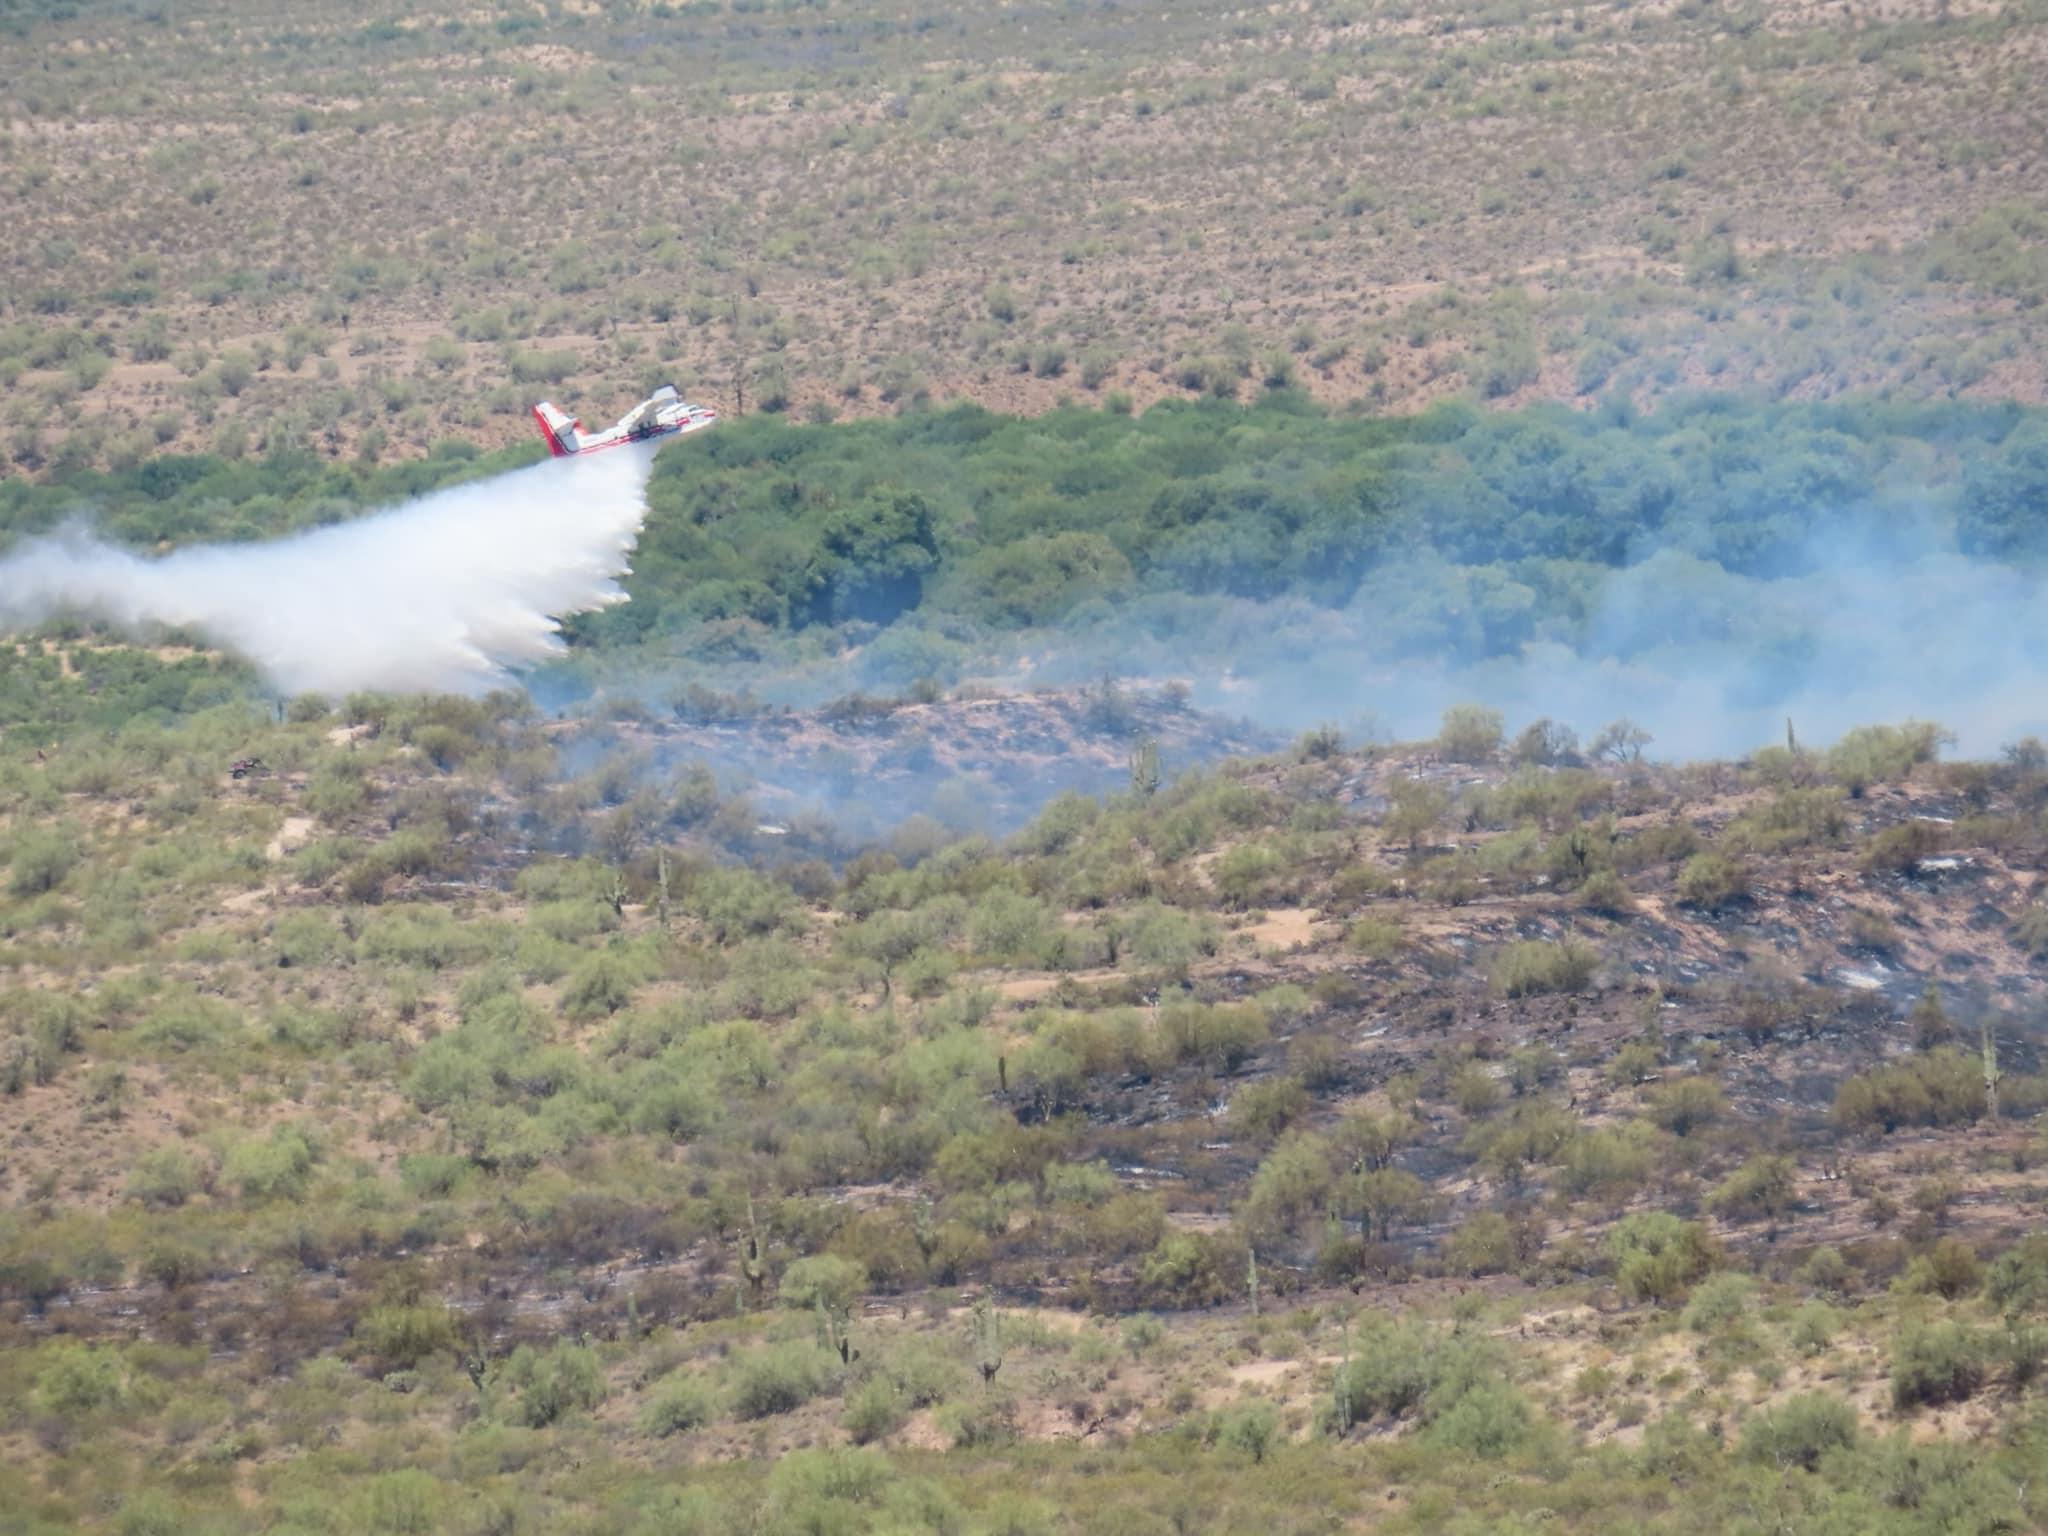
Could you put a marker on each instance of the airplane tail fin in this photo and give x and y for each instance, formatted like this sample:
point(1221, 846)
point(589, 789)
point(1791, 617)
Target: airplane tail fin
point(557, 429)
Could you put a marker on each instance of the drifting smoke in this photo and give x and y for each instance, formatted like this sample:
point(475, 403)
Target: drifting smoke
point(450, 592)
point(1856, 630)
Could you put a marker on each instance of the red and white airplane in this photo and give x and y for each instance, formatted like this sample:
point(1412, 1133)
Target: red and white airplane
point(661, 414)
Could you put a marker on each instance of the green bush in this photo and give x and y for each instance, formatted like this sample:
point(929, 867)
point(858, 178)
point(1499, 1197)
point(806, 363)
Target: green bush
point(77, 1379)
point(551, 1383)
point(1683, 1105)
point(1763, 1186)
point(874, 1411)
point(1944, 1086)
point(40, 859)
point(1658, 1257)
point(679, 1403)
point(1718, 1301)
point(1799, 1431)
point(1537, 966)
point(273, 1168)
point(1882, 754)
point(1712, 881)
point(1897, 849)
point(1261, 1111)
point(1388, 1372)
point(1250, 1428)
point(402, 1336)
point(1191, 1269)
point(1814, 1327)
point(2017, 1280)
point(600, 986)
point(825, 1279)
point(1469, 733)
point(1935, 1363)
point(778, 1378)
point(164, 1176)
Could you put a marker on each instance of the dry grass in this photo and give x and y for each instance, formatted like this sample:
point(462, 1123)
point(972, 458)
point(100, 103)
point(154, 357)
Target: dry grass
point(368, 237)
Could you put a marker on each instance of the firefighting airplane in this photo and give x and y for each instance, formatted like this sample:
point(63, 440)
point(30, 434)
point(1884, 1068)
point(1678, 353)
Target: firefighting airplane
point(661, 414)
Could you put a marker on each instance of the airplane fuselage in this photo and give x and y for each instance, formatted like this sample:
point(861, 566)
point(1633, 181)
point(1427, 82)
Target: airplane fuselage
point(661, 415)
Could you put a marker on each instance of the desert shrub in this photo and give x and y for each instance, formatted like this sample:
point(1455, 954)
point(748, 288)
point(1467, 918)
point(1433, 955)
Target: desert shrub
point(1219, 1037)
point(2030, 931)
point(188, 1023)
point(1485, 1417)
point(1546, 743)
point(680, 1402)
point(1793, 818)
point(77, 1379)
point(1534, 1131)
point(2017, 1279)
point(1944, 1086)
point(1538, 966)
point(1799, 1431)
point(1883, 754)
point(1935, 1363)
point(1658, 1257)
point(778, 1378)
point(273, 1167)
point(1718, 1301)
point(1712, 881)
point(1609, 1164)
point(553, 1382)
point(1484, 1244)
point(1152, 934)
point(1475, 1090)
point(598, 987)
point(1814, 1327)
point(1249, 875)
point(874, 1410)
point(1250, 1428)
point(1388, 1371)
point(1013, 928)
point(1763, 1186)
point(1684, 1104)
point(401, 1336)
point(1949, 1269)
point(164, 1176)
point(40, 859)
point(1469, 733)
point(1292, 1184)
point(1261, 1111)
point(1605, 892)
point(1898, 848)
point(824, 1278)
point(1191, 1269)
point(305, 938)
point(1376, 937)
point(737, 903)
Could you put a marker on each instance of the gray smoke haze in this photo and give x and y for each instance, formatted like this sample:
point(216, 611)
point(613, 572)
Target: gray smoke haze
point(1859, 629)
point(449, 592)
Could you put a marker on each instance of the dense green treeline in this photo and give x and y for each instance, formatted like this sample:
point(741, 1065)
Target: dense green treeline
point(928, 540)
point(201, 498)
point(990, 523)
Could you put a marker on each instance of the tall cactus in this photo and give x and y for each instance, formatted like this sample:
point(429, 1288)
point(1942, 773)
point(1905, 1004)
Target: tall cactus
point(1145, 772)
point(835, 1331)
point(988, 1341)
point(1991, 1072)
point(753, 1261)
point(1341, 1389)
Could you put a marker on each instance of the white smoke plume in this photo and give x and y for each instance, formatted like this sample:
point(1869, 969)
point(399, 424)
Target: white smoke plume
point(450, 592)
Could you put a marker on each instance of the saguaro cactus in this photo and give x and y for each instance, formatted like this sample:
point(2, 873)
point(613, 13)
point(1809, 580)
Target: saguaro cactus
point(988, 1341)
